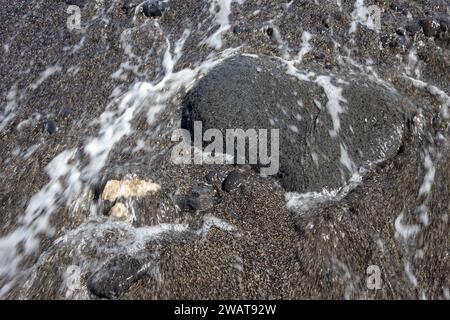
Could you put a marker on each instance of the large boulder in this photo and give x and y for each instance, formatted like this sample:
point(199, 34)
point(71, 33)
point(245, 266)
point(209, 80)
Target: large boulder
point(329, 125)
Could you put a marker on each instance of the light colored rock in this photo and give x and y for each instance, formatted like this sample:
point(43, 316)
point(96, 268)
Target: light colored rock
point(135, 188)
point(119, 211)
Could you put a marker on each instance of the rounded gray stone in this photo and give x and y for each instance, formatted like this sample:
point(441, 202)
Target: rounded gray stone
point(246, 92)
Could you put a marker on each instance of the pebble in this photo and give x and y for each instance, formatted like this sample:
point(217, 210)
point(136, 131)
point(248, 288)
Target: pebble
point(120, 212)
point(337, 15)
point(412, 28)
point(232, 182)
point(154, 8)
point(50, 126)
point(430, 27)
point(135, 188)
point(400, 32)
point(327, 22)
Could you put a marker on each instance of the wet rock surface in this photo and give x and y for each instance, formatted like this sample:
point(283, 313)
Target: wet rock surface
point(115, 90)
point(328, 127)
point(154, 8)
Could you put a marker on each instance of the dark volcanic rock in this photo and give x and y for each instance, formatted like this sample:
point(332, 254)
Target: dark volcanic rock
point(413, 28)
point(154, 8)
point(116, 276)
point(445, 24)
point(233, 181)
point(256, 93)
point(50, 126)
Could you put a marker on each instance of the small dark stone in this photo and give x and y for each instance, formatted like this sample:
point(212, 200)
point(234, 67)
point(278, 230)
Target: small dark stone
point(445, 24)
point(116, 276)
point(430, 27)
point(400, 32)
point(50, 126)
point(232, 182)
point(413, 28)
point(236, 29)
point(326, 22)
point(154, 8)
point(269, 31)
point(393, 44)
point(337, 16)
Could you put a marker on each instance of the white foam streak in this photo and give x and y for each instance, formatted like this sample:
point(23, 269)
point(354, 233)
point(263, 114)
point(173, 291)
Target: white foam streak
point(410, 274)
point(405, 231)
point(334, 103)
point(368, 16)
point(47, 73)
point(435, 91)
point(12, 99)
point(346, 161)
point(428, 180)
point(305, 46)
point(221, 19)
point(301, 203)
point(37, 214)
